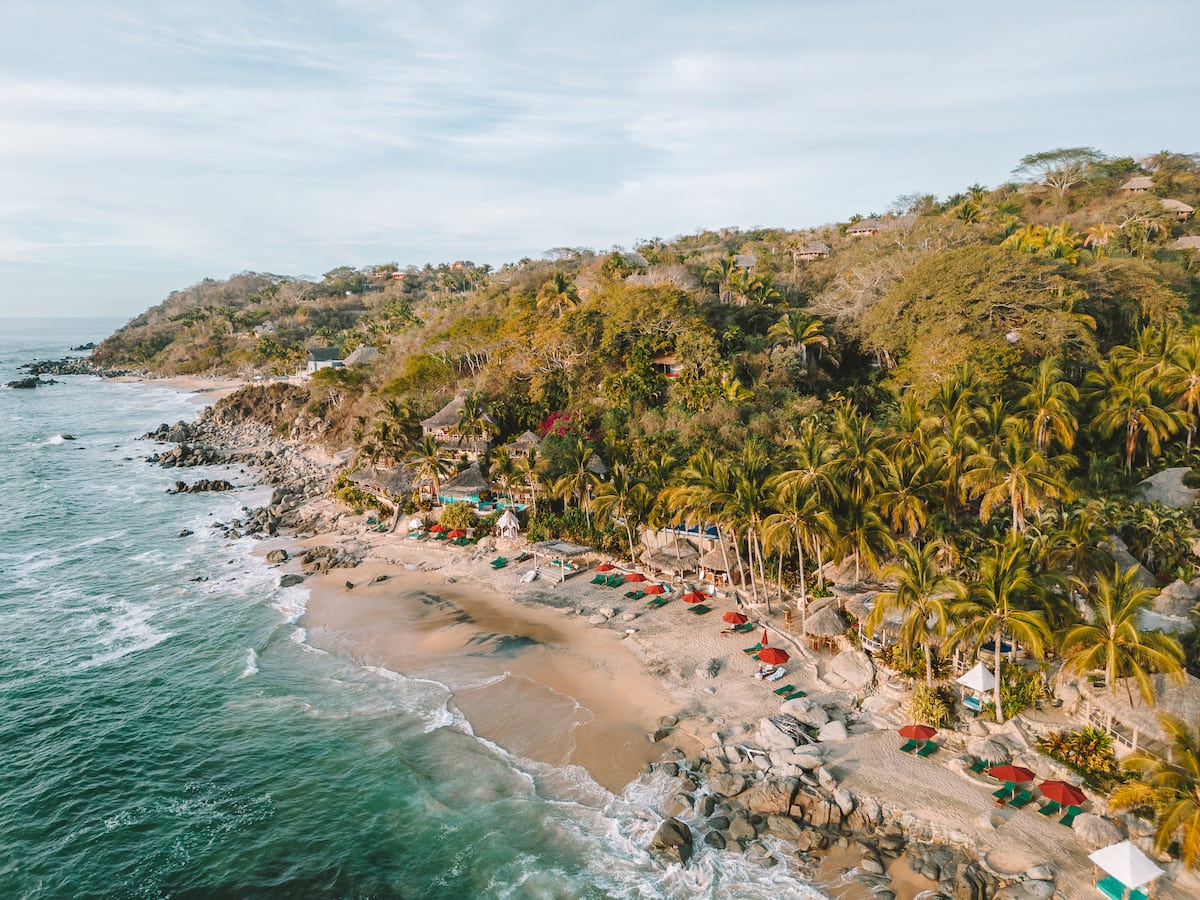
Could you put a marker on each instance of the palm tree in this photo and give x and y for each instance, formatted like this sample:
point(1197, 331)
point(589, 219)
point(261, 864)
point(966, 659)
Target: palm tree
point(905, 497)
point(1017, 473)
point(473, 423)
point(1098, 236)
point(699, 495)
point(922, 595)
point(1181, 379)
point(800, 519)
point(1114, 642)
point(1130, 406)
point(747, 502)
point(1170, 790)
point(1048, 400)
point(576, 481)
point(998, 604)
point(425, 460)
point(861, 532)
point(503, 471)
point(1073, 543)
point(557, 293)
point(721, 273)
point(619, 497)
point(858, 460)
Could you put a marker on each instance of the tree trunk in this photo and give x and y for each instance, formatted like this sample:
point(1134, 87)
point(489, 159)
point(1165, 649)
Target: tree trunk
point(928, 665)
point(996, 693)
point(803, 584)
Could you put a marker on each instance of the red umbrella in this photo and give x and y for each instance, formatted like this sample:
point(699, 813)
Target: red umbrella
point(1015, 774)
point(1062, 793)
point(605, 567)
point(694, 597)
point(763, 640)
point(735, 618)
point(636, 576)
point(917, 732)
point(773, 656)
point(437, 528)
point(656, 589)
point(457, 533)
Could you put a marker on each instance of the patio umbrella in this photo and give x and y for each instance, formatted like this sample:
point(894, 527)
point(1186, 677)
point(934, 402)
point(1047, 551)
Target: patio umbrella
point(656, 589)
point(773, 656)
point(735, 618)
point(1062, 793)
point(457, 533)
point(762, 641)
point(1096, 831)
point(917, 732)
point(1015, 774)
point(989, 750)
point(437, 529)
point(694, 597)
point(636, 576)
point(1126, 863)
point(605, 567)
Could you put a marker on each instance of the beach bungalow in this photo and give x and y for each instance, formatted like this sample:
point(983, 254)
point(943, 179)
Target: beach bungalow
point(524, 445)
point(465, 487)
point(323, 358)
point(1187, 242)
point(1182, 211)
point(1134, 725)
point(864, 228)
point(714, 567)
point(977, 685)
point(441, 424)
point(666, 364)
point(813, 250)
point(596, 466)
point(362, 355)
point(1138, 184)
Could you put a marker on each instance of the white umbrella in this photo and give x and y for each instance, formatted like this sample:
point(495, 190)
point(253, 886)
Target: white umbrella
point(979, 679)
point(1126, 863)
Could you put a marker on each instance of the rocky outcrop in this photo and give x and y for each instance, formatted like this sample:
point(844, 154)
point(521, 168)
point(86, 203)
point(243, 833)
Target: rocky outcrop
point(30, 382)
point(199, 487)
point(673, 840)
point(72, 365)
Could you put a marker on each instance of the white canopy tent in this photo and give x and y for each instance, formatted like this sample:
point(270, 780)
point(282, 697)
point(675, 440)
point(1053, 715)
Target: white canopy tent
point(507, 525)
point(1127, 864)
point(980, 679)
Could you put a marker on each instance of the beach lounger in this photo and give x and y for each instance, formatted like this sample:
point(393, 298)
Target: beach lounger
point(909, 746)
point(373, 520)
point(381, 527)
point(499, 562)
point(1020, 800)
point(1069, 818)
point(786, 689)
point(600, 579)
point(699, 609)
point(1005, 793)
point(777, 675)
point(1050, 809)
point(978, 767)
point(635, 595)
point(794, 695)
point(744, 628)
point(615, 580)
point(658, 601)
point(522, 556)
point(749, 651)
point(440, 536)
point(929, 749)
point(414, 535)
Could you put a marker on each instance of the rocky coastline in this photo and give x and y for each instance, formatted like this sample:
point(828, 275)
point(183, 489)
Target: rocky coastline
point(74, 365)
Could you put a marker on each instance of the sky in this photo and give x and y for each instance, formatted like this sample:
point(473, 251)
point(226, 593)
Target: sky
point(147, 144)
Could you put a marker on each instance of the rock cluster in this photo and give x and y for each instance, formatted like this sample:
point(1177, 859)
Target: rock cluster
point(199, 487)
point(31, 382)
point(71, 365)
point(770, 780)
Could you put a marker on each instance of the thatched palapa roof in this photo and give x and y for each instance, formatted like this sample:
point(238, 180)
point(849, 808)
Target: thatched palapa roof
point(714, 559)
point(1179, 700)
point(467, 483)
point(527, 439)
point(1138, 183)
point(1187, 242)
point(448, 415)
point(826, 623)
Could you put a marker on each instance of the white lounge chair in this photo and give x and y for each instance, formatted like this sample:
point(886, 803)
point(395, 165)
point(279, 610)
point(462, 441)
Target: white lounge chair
point(779, 672)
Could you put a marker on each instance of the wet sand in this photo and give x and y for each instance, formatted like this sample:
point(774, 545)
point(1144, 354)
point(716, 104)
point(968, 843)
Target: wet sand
point(538, 682)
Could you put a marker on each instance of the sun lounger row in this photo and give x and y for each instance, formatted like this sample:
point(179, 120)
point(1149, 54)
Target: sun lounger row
point(789, 692)
point(699, 609)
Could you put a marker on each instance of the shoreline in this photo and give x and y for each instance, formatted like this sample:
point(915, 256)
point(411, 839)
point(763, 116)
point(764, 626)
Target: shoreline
point(849, 801)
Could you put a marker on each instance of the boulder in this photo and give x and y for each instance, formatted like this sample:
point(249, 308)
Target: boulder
point(597, 619)
point(880, 705)
point(784, 827)
point(715, 839)
point(277, 556)
point(872, 865)
point(719, 823)
point(290, 580)
point(1177, 599)
point(850, 670)
point(832, 731)
point(807, 712)
point(742, 829)
point(844, 800)
point(826, 780)
point(187, 532)
point(770, 736)
point(771, 796)
point(809, 762)
point(729, 784)
point(673, 840)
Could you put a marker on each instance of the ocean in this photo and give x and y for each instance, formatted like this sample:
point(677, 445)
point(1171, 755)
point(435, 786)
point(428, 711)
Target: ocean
point(166, 729)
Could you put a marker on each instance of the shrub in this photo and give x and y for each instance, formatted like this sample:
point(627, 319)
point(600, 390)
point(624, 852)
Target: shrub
point(1019, 689)
point(458, 514)
point(928, 706)
point(1087, 751)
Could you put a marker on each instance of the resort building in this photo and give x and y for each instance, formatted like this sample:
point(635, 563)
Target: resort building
point(814, 250)
point(1138, 184)
point(323, 358)
point(443, 425)
point(468, 486)
point(865, 228)
point(1187, 242)
point(1182, 211)
point(362, 355)
point(745, 260)
point(524, 445)
point(1133, 724)
point(667, 365)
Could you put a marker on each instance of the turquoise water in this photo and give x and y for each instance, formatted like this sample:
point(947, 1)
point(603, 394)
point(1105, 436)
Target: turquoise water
point(169, 737)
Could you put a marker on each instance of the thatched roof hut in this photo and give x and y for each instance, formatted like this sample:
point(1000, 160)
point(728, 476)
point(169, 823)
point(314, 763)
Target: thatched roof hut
point(1187, 242)
point(466, 485)
point(825, 623)
point(1135, 725)
point(1138, 183)
point(1182, 211)
point(813, 250)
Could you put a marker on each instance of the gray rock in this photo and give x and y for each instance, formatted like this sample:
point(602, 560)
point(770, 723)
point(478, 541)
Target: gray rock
point(729, 784)
point(277, 556)
point(872, 865)
point(805, 711)
point(597, 619)
point(719, 823)
point(290, 580)
point(1043, 872)
point(769, 736)
point(784, 827)
point(715, 839)
point(741, 830)
point(826, 780)
point(832, 731)
point(673, 840)
point(844, 800)
point(809, 762)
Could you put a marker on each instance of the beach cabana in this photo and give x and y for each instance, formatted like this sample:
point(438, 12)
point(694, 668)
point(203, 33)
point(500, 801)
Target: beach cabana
point(713, 566)
point(1128, 870)
point(824, 628)
point(979, 681)
point(524, 445)
point(507, 525)
point(559, 556)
